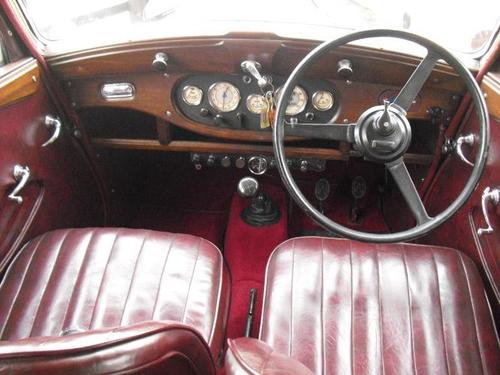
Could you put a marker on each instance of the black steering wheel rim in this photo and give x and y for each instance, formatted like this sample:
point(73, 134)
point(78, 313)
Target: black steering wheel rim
point(422, 228)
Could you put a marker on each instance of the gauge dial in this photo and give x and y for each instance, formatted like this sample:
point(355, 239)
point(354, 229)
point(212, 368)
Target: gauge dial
point(297, 102)
point(223, 96)
point(192, 95)
point(323, 100)
point(256, 103)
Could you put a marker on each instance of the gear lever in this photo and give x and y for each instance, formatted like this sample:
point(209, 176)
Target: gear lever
point(262, 210)
point(248, 187)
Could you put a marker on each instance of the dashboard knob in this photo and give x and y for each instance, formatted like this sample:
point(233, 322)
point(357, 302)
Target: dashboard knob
point(196, 160)
point(225, 161)
point(219, 120)
point(344, 68)
point(160, 62)
point(204, 112)
point(240, 162)
point(211, 160)
point(304, 166)
point(309, 116)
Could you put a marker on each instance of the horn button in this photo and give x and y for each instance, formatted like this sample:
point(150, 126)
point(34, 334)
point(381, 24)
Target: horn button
point(382, 133)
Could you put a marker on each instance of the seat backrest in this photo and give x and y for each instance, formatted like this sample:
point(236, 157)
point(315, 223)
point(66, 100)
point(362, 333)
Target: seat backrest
point(148, 347)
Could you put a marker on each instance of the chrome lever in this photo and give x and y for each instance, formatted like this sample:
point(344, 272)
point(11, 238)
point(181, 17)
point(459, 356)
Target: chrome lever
point(467, 139)
point(21, 176)
point(52, 122)
point(253, 68)
point(493, 196)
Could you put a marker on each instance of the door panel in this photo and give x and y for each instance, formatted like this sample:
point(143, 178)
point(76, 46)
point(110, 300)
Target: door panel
point(460, 231)
point(62, 191)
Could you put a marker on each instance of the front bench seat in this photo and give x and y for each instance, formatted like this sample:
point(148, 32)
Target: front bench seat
point(113, 301)
point(334, 306)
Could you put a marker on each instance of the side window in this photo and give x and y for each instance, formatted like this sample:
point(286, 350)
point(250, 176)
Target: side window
point(10, 48)
point(3, 55)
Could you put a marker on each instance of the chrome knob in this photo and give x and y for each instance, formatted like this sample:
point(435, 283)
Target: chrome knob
point(344, 68)
point(248, 187)
point(160, 62)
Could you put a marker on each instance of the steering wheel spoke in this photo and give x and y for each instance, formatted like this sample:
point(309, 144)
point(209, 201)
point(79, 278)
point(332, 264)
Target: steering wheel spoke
point(336, 132)
point(403, 179)
point(413, 86)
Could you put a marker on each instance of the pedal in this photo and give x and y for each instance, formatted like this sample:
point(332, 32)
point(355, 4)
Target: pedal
point(322, 192)
point(251, 312)
point(359, 188)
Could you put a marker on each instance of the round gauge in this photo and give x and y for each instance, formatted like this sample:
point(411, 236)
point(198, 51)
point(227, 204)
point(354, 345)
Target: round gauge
point(257, 165)
point(192, 95)
point(256, 103)
point(297, 102)
point(323, 100)
point(223, 96)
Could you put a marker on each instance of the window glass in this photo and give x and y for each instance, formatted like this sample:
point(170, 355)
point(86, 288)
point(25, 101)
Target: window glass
point(462, 26)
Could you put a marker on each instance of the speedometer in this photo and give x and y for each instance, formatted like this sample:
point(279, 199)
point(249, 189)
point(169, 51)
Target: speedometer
point(223, 96)
point(297, 102)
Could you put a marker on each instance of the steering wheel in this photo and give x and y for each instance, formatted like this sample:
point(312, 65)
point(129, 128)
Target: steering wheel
point(382, 134)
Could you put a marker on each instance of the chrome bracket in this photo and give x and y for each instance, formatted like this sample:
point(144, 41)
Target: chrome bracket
point(21, 176)
point(493, 196)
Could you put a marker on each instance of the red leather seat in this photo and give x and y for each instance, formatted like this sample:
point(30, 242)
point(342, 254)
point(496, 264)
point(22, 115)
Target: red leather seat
point(111, 300)
point(342, 307)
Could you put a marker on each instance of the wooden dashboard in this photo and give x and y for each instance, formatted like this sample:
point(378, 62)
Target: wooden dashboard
point(375, 73)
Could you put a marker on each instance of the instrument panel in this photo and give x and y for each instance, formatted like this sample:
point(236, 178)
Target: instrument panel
point(237, 102)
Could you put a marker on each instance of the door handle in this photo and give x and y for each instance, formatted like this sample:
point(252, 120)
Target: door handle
point(55, 123)
point(467, 139)
point(21, 176)
point(493, 196)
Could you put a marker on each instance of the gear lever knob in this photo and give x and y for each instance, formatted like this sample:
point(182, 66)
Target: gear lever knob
point(248, 187)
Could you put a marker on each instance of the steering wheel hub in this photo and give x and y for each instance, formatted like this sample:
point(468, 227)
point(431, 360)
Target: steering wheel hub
point(382, 133)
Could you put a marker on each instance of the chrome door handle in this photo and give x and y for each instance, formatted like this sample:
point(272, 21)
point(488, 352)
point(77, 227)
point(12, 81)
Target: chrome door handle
point(493, 196)
point(21, 176)
point(52, 122)
point(467, 139)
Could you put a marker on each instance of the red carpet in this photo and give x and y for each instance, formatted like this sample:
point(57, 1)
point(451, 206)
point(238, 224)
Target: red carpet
point(247, 250)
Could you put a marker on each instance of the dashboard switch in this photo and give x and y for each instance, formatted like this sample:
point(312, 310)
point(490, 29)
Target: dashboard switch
point(344, 68)
point(304, 166)
point(160, 62)
point(211, 160)
point(240, 162)
point(309, 116)
point(196, 160)
point(219, 120)
point(225, 161)
point(204, 112)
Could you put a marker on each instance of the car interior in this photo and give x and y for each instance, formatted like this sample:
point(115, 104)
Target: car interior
point(247, 200)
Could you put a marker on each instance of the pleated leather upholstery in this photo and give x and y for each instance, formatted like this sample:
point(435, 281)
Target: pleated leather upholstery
point(76, 280)
point(342, 307)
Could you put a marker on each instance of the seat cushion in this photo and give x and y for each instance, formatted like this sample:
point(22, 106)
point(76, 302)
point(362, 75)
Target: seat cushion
point(342, 307)
point(251, 356)
point(75, 280)
point(152, 348)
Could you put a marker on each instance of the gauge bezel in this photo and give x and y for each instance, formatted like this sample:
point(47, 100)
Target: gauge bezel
point(302, 108)
point(186, 87)
point(210, 101)
point(332, 102)
point(249, 97)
